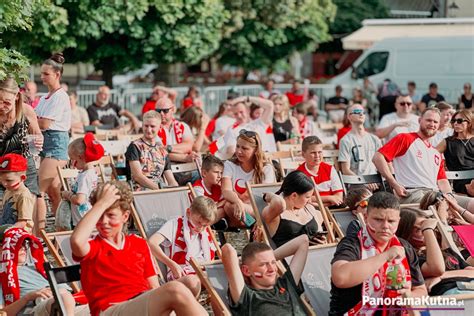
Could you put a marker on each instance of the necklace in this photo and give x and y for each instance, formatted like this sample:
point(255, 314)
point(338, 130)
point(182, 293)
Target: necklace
point(465, 141)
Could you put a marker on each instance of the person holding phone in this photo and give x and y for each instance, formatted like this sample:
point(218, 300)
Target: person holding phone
point(289, 213)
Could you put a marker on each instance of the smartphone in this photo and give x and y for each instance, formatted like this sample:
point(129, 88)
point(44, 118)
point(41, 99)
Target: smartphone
point(321, 233)
point(249, 220)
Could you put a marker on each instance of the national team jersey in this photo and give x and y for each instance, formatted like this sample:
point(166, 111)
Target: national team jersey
point(417, 163)
point(326, 179)
point(215, 193)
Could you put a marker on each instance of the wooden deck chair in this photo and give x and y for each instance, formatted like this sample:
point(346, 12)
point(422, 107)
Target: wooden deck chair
point(316, 277)
point(446, 236)
point(67, 176)
point(330, 156)
point(288, 147)
point(465, 308)
point(343, 217)
point(216, 284)
point(348, 180)
point(129, 137)
point(279, 155)
point(186, 167)
point(255, 192)
point(59, 246)
point(286, 166)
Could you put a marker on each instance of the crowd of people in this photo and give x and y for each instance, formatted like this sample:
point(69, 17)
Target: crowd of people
point(412, 147)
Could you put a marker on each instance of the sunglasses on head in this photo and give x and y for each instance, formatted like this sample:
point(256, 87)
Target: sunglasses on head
point(163, 110)
point(363, 203)
point(459, 121)
point(405, 103)
point(358, 112)
point(248, 133)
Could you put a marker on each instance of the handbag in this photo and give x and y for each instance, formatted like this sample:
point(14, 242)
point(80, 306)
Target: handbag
point(63, 219)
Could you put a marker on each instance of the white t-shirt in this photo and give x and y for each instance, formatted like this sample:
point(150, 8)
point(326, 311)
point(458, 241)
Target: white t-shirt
point(86, 182)
point(56, 108)
point(258, 126)
point(392, 118)
point(223, 123)
point(358, 152)
point(239, 177)
point(439, 136)
point(171, 135)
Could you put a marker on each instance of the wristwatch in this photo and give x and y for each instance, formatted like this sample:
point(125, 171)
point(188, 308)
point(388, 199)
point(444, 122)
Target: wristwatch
point(169, 148)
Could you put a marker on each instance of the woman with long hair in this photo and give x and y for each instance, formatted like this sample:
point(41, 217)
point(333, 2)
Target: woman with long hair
point(17, 119)
point(54, 119)
point(248, 164)
point(197, 120)
point(285, 127)
point(289, 213)
point(442, 268)
point(458, 149)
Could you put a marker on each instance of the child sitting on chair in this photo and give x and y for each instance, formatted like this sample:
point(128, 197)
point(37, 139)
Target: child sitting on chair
point(325, 176)
point(185, 237)
point(23, 279)
point(255, 288)
point(117, 271)
point(18, 201)
point(83, 152)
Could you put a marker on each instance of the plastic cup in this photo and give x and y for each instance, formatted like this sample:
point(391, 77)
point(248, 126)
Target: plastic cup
point(30, 139)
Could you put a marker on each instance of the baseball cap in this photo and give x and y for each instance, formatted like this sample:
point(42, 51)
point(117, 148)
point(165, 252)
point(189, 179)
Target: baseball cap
point(94, 150)
point(13, 163)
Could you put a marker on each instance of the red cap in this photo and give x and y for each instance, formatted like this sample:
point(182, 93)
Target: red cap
point(13, 163)
point(94, 150)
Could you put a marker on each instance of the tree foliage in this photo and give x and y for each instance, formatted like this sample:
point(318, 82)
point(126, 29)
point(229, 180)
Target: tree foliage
point(262, 33)
point(121, 35)
point(350, 14)
point(16, 16)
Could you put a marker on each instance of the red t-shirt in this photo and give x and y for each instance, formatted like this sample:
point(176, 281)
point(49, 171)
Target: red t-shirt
point(294, 99)
point(341, 133)
point(215, 194)
point(110, 275)
point(327, 180)
point(150, 105)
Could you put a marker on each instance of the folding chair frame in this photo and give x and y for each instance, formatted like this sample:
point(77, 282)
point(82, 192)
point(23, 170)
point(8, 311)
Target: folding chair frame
point(65, 275)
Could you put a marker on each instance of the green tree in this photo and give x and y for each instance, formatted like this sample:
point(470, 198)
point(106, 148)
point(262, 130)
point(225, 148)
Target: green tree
point(262, 33)
point(350, 14)
point(122, 35)
point(17, 16)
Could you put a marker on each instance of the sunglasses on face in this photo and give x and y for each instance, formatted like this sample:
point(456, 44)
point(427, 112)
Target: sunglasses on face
point(163, 110)
point(358, 112)
point(405, 103)
point(459, 121)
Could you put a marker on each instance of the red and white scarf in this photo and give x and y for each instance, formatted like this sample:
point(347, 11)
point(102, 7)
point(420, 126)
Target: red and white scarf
point(12, 242)
point(178, 129)
point(180, 248)
point(374, 287)
point(303, 127)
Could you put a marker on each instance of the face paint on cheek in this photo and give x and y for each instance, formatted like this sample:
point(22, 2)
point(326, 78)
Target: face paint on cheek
point(258, 275)
point(115, 224)
point(16, 185)
point(370, 228)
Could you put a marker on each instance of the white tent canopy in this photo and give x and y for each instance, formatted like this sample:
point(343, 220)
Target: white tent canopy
point(376, 30)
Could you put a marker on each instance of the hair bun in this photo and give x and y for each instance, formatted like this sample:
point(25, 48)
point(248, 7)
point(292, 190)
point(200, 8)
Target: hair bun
point(58, 57)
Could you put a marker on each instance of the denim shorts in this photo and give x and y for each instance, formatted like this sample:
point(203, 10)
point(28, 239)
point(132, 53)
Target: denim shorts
point(55, 145)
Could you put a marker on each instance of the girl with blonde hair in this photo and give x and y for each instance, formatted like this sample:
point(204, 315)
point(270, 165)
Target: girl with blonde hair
point(248, 164)
point(284, 126)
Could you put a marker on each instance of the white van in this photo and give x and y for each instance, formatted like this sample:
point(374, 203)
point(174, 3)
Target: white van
point(448, 61)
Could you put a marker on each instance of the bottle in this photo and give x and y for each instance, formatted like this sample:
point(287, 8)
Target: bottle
point(395, 279)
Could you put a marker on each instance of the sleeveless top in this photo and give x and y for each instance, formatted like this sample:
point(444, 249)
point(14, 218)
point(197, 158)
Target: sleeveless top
point(282, 131)
point(467, 103)
point(459, 155)
point(288, 229)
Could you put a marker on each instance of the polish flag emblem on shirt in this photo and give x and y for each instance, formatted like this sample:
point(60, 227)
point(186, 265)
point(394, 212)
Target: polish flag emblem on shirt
point(436, 158)
point(239, 186)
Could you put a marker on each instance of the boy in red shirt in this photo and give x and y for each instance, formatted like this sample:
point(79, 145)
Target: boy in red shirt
point(117, 272)
point(325, 176)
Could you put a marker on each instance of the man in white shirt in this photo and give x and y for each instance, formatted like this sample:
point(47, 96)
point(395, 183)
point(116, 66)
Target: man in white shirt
point(418, 166)
point(357, 147)
point(401, 121)
point(224, 146)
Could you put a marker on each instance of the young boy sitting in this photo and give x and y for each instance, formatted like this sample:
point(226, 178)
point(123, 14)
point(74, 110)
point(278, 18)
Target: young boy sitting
point(83, 152)
point(255, 287)
point(185, 237)
point(23, 280)
point(18, 201)
point(325, 176)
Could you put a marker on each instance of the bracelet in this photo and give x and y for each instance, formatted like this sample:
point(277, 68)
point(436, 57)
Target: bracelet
point(264, 197)
point(464, 211)
point(424, 229)
point(451, 194)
